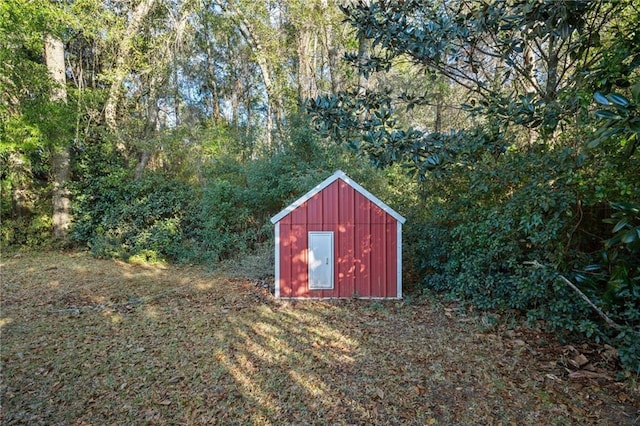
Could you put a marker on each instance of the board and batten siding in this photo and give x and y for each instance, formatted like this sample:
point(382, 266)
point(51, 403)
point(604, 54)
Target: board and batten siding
point(367, 244)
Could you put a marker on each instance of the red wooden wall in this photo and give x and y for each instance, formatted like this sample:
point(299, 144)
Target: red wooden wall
point(365, 245)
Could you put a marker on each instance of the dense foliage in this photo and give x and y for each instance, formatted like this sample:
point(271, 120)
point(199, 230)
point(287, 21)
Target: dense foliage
point(518, 197)
point(225, 214)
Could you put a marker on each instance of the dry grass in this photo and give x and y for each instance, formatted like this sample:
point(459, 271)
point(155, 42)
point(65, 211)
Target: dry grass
point(88, 341)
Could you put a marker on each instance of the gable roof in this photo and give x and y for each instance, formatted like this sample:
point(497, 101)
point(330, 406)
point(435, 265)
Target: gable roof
point(328, 181)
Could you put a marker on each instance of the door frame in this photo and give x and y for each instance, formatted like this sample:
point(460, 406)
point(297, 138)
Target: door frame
point(330, 263)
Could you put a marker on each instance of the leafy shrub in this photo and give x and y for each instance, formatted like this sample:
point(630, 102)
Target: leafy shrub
point(27, 232)
point(221, 223)
point(25, 199)
point(480, 241)
point(613, 283)
point(120, 218)
point(487, 220)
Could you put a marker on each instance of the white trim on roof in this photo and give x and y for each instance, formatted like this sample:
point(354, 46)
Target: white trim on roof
point(328, 181)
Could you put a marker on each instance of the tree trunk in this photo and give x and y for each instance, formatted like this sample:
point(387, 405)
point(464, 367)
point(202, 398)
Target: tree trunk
point(333, 59)
point(271, 102)
point(333, 49)
point(363, 80)
point(438, 120)
point(307, 87)
point(235, 103)
point(529, 83)
point(274, 102)
point(211, 80)
point(60, 156)
point(124, 51)
point(177, 97)
point(529, 66)
point(363, 58)
point(20, 177)
point(550, 93)
point(145, 156)
point(54, 57)
point(150, 128)
point(61, 169)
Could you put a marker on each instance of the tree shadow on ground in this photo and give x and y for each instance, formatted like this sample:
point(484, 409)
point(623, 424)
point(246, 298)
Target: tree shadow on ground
point(94, 342)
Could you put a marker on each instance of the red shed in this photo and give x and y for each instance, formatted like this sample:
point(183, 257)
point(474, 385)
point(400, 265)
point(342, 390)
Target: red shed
point(338, 241)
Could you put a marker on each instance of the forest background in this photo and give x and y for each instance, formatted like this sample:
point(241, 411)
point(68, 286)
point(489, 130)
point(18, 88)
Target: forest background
point(506, 131)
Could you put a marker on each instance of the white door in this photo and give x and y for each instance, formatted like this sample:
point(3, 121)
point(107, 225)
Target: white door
point(320, 260)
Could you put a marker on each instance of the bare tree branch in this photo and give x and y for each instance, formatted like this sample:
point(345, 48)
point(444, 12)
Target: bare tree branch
point(611, 323)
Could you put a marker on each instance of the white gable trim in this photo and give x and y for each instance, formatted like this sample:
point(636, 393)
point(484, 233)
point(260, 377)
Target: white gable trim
point(328, 181)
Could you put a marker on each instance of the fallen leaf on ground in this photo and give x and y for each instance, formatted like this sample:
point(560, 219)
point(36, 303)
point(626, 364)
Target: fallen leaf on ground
point(579, 361)
point(584, 374)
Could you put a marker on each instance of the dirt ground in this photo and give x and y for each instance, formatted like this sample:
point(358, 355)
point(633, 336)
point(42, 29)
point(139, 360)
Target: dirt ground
point(87, 341)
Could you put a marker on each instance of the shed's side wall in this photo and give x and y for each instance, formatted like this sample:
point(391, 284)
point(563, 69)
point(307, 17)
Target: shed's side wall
point(365, 239)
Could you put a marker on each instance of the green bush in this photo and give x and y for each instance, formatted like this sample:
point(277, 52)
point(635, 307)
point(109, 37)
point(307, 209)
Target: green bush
point(117, 217)
point(221, 223)
point(613, 283)
point(24, 176)
point(226, 215)
point(29, 232)
point(486, 221)
point(479, 241)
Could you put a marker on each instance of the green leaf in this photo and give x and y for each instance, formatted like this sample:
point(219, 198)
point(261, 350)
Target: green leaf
point(625, 208)
point(600, 98)
point(580, 278)
point(603, 113)
point(620, 225)
point(618, 100)
point(629, 236)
